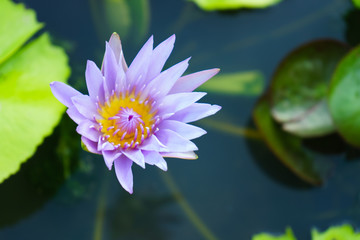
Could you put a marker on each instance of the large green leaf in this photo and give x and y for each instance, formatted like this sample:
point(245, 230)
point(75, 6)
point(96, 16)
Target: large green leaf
point(344, 97)
point(28, 110)
point(210, 5)
point(17, 26)
point(300, 85)
point(239, 83)
point(288, 148)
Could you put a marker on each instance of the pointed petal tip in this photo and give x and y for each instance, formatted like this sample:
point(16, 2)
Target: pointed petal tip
point(216, 108)
point(114, 39)
point(171, 39)
point(215, 70)
point(164, 168)
point(63, 92)
point(89, 64)
point(150, 40)
point(114, 34)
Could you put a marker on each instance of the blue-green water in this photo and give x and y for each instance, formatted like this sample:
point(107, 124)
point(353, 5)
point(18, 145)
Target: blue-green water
point(236, 188)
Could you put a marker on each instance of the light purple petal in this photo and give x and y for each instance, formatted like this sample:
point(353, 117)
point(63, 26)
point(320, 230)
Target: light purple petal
point(151, 144)
point(159, 56)
point(90, 145)
point(110, 69)
point(183, 155)
point(104, 145)
point(63, 92)
point(87, 128)
point(85, 106)
point(190, 82)
point(94, 79)
point(120, 82)
point(195, 112)
point(138, 68)
point(136, 156)
point(109, 157)
point(174, 142)
point(75, 115)
point(115, 45)
point(185, 130)
point(162, 84)
point(123, 172)
point(154, 158)
point(175, 102)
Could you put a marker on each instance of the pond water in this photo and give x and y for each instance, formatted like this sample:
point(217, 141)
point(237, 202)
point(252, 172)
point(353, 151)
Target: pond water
point(236, 188)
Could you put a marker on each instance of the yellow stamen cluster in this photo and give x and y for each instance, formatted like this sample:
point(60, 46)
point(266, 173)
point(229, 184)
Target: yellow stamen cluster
point(126, 121)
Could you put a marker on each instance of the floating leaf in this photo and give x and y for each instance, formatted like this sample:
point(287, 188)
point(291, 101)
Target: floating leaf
point(344, 97)
point(288, 148)
point(289, 235)
point(210, 5)
point(241, 83)
point(344, 232)
point(316, 123)
point(28, 110)
point(17, 25)
point(300, 85)
point(356, 3)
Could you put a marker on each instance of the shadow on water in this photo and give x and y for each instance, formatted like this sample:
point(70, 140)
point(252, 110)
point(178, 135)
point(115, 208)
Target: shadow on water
point(272, 166)
point(326, 145)
point(352, 33)
point(140, 218)
point(41, 176)
point(329, 147)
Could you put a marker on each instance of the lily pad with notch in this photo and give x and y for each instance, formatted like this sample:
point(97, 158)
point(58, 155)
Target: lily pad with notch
point(299, 88)
point(288, 148)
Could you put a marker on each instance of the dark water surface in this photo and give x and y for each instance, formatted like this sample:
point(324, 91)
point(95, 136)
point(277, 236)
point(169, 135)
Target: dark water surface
point(235, 189)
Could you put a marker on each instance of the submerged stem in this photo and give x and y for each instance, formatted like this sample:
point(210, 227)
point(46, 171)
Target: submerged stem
point(100, 212)
point(229, 128)
point(190, 213)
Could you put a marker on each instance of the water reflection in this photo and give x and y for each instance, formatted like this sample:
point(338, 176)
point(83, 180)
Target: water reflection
point(141, 217)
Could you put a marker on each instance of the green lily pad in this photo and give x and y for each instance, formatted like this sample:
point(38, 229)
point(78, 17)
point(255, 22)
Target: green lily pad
point(316, 123)
point(344, 97)
point(356, 3)
point(344, 232)
point(288, 148)
point(240, 83)
point(300, 85)
point(289, 235)
point(28, 110)
point(210, 5)
point(17, 26)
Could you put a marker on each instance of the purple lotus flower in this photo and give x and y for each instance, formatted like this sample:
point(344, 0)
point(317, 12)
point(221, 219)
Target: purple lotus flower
point(138, 113)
